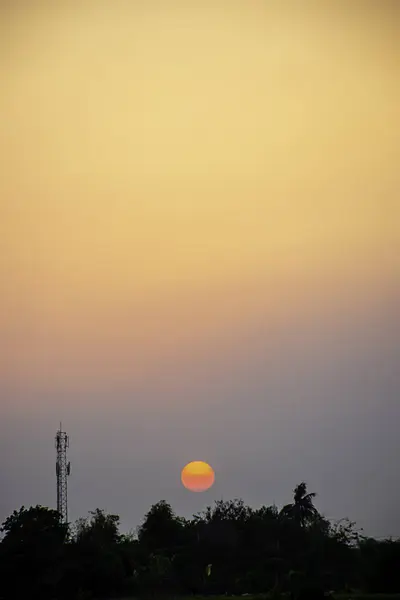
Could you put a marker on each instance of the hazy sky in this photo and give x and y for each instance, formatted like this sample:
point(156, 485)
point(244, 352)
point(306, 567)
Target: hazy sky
point(200, 257)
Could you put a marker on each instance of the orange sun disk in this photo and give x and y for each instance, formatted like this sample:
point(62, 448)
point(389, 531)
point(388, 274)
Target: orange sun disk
point(197, 476)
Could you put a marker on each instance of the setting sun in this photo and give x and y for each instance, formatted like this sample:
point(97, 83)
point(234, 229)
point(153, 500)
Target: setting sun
point(197, 476)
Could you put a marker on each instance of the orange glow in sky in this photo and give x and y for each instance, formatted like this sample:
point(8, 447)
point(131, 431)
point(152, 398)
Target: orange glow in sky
point(197, 476)
point(173, 170)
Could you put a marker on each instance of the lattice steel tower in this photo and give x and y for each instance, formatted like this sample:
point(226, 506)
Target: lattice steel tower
point(63, 469)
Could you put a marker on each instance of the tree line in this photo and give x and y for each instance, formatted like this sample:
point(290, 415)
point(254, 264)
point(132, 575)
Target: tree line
point(229, 548)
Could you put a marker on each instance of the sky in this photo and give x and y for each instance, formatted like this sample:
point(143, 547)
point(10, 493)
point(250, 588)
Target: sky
point(200, 253)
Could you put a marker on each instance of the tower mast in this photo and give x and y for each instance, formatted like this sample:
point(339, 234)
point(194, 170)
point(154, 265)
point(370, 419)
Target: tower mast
point(63, 469)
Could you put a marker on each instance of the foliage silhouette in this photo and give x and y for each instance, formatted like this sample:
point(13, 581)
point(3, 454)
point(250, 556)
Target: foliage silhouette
point(229, 548)
point(31, 553)
point(302, 510)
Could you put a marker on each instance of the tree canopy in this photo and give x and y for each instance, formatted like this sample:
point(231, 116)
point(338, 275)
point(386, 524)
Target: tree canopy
point(228, 548)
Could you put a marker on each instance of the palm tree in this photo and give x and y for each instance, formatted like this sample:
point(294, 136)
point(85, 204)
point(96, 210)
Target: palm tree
point(302, 510)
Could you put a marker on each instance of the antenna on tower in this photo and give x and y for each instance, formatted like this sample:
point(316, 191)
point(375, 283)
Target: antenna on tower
point(63, 469)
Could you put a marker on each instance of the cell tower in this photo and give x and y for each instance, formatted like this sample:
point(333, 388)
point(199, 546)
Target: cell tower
point(63, 469)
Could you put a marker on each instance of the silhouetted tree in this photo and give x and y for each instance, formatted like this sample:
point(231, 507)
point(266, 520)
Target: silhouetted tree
point(161, 529)
point(99, 529)
point(302, 510)
point(96, 561)
point(228, 548)
point(379, 565)
point(31, 552)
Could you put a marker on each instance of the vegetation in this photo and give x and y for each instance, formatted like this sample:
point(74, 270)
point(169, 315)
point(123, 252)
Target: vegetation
point(230, 548)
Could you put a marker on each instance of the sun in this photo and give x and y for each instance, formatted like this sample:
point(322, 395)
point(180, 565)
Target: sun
point(197, 476)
